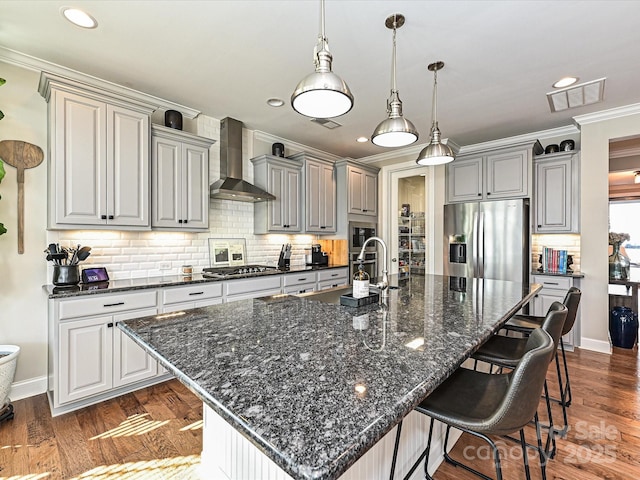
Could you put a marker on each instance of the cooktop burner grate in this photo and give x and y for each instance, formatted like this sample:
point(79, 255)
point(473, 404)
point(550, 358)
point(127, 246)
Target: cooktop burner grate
point(236, 270)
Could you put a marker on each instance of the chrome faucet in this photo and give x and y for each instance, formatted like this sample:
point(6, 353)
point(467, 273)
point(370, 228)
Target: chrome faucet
point(383, 286)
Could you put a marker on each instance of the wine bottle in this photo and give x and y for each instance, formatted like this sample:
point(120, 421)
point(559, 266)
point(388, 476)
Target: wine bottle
point(360, 283)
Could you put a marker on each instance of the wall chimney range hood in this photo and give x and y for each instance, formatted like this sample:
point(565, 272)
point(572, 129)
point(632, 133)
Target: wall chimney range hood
point(231, 186)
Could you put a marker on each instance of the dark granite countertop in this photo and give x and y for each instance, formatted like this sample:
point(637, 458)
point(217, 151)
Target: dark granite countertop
point(283, 370)
point(553, 274)
point(165, 281)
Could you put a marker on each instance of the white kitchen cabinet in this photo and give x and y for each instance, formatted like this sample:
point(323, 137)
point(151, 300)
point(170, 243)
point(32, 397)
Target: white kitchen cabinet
point(253, 287)
point(282, 178)
point(554, 289)
point(557, 199)
point(294, 283)
point(330, 278)
point(492, 175)
point(99, 158)
point(319, 194)
point(180, 180)
point(362, 191)
point(90, 358)
point(191, 296)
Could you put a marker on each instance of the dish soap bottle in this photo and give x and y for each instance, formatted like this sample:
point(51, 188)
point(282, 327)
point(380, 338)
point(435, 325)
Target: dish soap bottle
point(360, 283)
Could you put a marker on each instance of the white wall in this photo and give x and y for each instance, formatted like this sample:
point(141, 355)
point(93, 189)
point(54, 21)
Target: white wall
point(23, 311)
point(595, 136)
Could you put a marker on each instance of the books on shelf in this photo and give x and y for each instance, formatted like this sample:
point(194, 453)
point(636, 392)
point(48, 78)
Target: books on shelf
point(554, 261)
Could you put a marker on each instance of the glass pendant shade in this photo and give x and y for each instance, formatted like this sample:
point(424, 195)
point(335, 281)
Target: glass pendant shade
point(322, 94)
point(394, 131)
point(436, 153)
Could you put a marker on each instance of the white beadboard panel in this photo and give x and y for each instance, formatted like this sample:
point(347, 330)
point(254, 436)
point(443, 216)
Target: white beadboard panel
point(228, 454)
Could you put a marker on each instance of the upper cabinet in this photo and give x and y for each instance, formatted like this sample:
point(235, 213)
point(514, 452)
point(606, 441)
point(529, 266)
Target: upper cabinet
point(491, 175)
point(99, 158)
point(282, 178)
point(319, 194)
point(180, 180)
point(357, 190)
point(557, 199)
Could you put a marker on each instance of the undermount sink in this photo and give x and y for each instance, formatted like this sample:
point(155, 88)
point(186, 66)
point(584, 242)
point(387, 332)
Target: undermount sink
point(332, 295)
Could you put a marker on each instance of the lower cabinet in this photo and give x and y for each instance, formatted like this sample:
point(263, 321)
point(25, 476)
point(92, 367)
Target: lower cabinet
point(91, 358)
point(252, 287)
point(335, 277)
point(192, 296)
point(554, 289)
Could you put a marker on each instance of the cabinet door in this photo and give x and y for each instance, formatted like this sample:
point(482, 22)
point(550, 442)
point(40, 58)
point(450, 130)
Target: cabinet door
point(80, 160)
point(130, 362)
point(195, 208)
point(507, 175)
point(127, 167)
point(292, 213)
point(85, 358)
point(167, 184)
point(328, 200)
point(276, 181)
point(464, 180)
point(553, 196)
point(355, 185)
point(370, 200)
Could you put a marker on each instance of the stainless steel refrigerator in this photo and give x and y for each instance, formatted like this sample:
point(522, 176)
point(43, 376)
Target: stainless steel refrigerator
point(487, 240)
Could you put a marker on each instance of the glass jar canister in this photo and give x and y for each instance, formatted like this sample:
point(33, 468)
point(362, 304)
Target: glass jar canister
point(619, 264)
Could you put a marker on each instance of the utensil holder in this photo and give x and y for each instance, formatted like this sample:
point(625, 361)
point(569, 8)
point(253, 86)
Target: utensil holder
point(66, 275)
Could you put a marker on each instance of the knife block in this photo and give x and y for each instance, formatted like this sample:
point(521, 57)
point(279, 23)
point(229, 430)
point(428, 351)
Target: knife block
point(283, 263)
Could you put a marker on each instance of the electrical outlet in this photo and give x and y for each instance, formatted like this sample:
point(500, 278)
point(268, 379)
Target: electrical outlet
point(164, 266)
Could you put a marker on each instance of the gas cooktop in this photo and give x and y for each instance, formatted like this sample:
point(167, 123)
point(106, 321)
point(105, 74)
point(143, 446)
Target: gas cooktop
point(239, 270)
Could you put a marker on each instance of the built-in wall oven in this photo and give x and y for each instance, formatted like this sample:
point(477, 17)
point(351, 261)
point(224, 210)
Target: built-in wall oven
point(358, 234)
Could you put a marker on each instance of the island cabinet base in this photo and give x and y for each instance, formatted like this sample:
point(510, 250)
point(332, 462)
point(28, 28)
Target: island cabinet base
point(227, 454)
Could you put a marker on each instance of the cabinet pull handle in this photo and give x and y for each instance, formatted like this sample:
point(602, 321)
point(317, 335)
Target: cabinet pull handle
point(539, 226)
point(364, 210)
point(110, 217)
point(184, 221)
point(323, 227)
point(109, 325)
point(334, 274)
point(113, 304)
point(488, 193)
point(196, 293)
point(479, 194)
point(550, 283)
point(103, 217)
point(179, 221)
point(302, 279)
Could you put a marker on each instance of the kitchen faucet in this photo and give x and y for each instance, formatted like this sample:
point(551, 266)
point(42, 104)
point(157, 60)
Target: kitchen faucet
point(383, 286)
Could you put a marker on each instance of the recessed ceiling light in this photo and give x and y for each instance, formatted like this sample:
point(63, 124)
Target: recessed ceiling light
point(275, 102)
point(79, 18)
point(565, 82)
point(362, 139)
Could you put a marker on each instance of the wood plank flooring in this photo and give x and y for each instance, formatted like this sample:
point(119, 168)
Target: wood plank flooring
point(155, 433)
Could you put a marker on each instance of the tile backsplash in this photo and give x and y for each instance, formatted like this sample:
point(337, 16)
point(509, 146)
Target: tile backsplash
point(139, 254)
point(568, 242)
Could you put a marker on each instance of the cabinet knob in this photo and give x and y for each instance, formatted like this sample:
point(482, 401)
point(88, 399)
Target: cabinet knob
point(488, 193)
point(539, 226)
point(184, 221)
point(103, 217)
point(109, 325)
point(110, 217)
point(479, 194)
point(365, 210)
point(179, 221)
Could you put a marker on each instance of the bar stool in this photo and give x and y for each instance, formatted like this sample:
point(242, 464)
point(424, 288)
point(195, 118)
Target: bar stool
point(507, 352)
point(483, 404)
point(526, 323)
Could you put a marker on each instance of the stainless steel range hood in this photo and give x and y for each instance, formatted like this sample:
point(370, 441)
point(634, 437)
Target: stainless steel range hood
point(231, 186)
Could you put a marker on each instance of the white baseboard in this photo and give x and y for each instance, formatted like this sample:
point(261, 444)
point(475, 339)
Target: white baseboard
point(595, 345)
point(28, 388)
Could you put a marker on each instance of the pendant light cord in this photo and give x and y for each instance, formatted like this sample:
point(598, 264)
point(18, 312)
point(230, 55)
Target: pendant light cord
point(393, 59)
point(434, 112)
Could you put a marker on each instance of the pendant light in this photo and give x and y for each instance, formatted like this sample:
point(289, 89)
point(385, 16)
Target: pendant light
point(322, 94)
point(395, 131)
point(435, 153)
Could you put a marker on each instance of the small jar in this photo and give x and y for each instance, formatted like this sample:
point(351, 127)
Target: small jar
point(187, 269)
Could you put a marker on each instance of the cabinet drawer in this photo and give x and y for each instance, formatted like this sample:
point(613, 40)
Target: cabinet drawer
point(299, 278)
point(332, 274)
point(553, 282)
point(105, 304)
point(249, 285)
point(191, 293)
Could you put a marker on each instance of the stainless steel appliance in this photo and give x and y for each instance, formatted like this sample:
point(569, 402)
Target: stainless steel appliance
point(238, 271)
point(487, 240)
point(359, 232)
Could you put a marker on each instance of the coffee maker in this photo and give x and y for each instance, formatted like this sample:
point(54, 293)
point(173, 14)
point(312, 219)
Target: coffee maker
point(317, 257)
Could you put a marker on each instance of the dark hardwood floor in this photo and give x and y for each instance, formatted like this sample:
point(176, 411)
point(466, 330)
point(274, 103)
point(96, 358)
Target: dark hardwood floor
point(155, 433)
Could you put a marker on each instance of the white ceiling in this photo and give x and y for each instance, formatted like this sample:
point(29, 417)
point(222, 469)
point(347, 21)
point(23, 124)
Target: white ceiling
point(225, 58)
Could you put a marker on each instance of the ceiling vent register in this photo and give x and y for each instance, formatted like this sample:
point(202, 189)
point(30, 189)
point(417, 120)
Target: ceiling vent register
point(577, 95)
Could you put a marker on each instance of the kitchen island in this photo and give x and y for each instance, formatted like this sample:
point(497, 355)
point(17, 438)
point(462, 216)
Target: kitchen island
point(314, 385)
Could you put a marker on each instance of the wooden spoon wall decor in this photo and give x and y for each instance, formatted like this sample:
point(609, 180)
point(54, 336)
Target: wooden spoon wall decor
point(20, 155)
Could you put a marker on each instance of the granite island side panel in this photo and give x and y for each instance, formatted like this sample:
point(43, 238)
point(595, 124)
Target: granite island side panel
point(283, 370)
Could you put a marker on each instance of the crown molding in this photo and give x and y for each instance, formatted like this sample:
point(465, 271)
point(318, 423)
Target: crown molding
point(610, 114)
point(624, 152)
point(259, 135)
point(35, 64)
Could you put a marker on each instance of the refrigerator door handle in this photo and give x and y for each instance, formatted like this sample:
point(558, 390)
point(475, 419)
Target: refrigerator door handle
point(474, 246)
point(480, 251)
